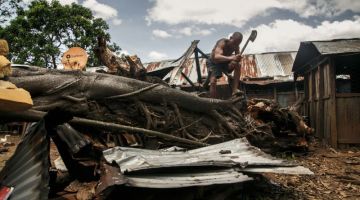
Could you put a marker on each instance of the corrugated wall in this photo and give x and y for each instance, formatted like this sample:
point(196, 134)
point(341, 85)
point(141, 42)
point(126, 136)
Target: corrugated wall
point(253, 66)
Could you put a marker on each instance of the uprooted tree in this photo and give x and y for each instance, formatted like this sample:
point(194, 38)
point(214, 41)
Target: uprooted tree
point(118, 102)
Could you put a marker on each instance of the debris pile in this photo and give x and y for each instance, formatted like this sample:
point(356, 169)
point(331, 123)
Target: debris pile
point(122, 134)
point(277, 128)
point(93, 172)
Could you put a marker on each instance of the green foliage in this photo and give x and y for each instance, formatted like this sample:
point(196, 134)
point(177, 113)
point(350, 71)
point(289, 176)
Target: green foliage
point(7, 9)
point(42, 32)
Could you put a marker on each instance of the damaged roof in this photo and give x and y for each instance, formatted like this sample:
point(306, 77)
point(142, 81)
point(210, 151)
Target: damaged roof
point(216, 164)
point(27, 170)
point(310, 50)
point(253, 66)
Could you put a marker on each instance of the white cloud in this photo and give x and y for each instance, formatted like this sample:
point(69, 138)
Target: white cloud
point(328, 8)
point(235, 12)
point(284, 35)
point(116, 21)
point(190, 31)
point(63, 2)
point(154, 55)
point(238, 12)
point(186, 31)
point(101, 10)
point(161, 33)
point(66, 2)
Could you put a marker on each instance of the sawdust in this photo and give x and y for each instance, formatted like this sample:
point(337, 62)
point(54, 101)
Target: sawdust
point(336, 175)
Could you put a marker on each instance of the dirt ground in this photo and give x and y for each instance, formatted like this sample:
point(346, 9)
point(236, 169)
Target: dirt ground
point(8, 150)
point(336, 175)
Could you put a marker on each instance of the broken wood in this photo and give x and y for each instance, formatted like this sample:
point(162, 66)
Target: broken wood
point(139, 106)
point(32, 115)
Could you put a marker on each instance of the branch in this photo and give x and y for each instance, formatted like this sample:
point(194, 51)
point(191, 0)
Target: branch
point(133, 93)
point(33, 115)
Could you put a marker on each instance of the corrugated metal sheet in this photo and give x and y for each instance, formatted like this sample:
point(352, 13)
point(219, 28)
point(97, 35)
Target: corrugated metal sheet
point(27, 169)
point(210, 177)
point(275, 64)
point(338, 46)
point(253, 66)
point(241, 153)
point(234, 153)
point(311, 50)
point(73, 139)
point(223, 163)
point(111, 176)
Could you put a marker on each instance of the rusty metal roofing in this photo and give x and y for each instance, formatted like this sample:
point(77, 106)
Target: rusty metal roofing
point(27, 169)
point(253, 66)
point(310, 50)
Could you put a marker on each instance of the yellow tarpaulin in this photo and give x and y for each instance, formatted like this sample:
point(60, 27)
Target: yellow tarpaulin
point(5, 67)
point(4, 48)
point(13, 98)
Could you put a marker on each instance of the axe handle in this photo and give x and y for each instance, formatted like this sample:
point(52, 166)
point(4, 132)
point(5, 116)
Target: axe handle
point(243, 49)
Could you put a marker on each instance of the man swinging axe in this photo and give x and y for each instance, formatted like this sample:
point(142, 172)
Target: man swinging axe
point(223, 60)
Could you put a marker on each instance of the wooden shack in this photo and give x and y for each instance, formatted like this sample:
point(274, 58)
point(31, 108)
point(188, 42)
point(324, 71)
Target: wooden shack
point(331, 71)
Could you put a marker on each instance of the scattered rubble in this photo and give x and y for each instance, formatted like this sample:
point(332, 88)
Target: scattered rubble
point(92, 173)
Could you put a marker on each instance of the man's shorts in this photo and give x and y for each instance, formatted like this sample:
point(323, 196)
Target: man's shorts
point(217, 68)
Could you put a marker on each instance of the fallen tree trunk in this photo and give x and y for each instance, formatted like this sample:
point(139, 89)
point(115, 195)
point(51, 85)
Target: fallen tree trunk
point(152, 114)
point(54, 88)
point(34, 116)
point(120, 100)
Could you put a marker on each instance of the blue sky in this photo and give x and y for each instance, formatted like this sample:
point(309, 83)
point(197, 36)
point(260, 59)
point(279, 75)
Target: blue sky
point(163, 29)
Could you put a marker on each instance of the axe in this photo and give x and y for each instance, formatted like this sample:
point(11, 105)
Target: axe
point(251, 38)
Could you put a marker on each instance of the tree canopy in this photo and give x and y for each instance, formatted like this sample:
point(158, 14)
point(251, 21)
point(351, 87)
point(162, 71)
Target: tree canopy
point(39, 34)
point(7, 9)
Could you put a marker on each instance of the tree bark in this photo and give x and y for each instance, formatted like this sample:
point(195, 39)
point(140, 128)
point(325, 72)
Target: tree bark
point(121, 100)
point(152, 111)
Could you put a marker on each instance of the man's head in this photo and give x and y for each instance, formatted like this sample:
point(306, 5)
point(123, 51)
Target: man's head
point(236, 38)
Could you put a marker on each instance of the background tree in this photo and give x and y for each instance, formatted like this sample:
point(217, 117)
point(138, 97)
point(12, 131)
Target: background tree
point(7, 9)
point(42, 32)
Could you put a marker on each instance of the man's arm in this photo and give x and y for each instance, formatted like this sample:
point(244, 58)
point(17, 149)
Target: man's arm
point(237, 50)
point(219, 51)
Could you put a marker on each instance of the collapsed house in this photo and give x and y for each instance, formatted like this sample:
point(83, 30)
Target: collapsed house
point(264, 75)
point(114, 171)
point(132, 133)
point(332, 88)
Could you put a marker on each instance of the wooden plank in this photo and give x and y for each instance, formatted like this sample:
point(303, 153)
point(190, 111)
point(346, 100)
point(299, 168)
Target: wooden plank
point(347, 95)
point(348, 119)
point(332, 109)
point(306, 95)
point(198, 70)
point(183, 59)
point(321, 100)
point(327, 122)
point(188, 80)
point(202, 53)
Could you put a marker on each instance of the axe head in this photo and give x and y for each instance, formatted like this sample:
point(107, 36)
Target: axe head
point(253, 35)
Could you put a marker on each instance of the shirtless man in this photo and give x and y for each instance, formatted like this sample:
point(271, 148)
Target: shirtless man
point(222, 60)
